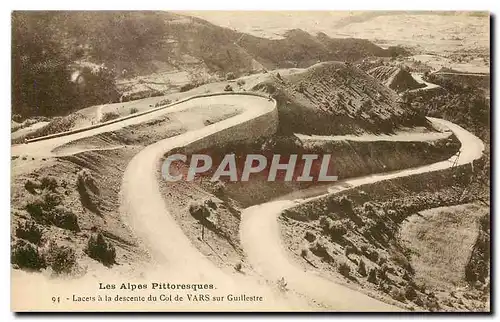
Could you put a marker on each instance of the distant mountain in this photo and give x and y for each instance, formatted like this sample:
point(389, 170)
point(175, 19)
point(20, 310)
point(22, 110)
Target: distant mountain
point(46, 46)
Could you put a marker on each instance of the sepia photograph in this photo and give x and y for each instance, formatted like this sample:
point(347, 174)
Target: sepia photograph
point(250, 161)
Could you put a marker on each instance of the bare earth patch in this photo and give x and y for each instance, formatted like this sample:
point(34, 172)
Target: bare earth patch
point(441, 241)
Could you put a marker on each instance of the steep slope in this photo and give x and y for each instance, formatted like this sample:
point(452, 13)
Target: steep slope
point(396, 78)
point(337, 98)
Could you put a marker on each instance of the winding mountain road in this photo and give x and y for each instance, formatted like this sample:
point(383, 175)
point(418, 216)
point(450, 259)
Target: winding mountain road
point(261, 236)
point(145, 211)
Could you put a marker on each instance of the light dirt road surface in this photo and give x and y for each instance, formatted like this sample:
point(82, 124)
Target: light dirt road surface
point(46, 147)
point(146, 213)
point(261, 236)
point(398, 137)
point(419, 78)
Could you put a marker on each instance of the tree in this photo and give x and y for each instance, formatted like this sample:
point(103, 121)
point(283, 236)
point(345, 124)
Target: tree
point(362, 268)
point(372, 276)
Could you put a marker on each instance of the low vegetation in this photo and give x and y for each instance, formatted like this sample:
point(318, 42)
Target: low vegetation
point(100, 249)
point(108, 116)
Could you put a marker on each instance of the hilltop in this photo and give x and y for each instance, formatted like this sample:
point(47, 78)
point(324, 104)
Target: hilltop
point(337, 98)
point(396, 78)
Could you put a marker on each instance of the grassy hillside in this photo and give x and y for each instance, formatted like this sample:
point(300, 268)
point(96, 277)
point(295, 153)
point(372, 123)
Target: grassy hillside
point(337, 98)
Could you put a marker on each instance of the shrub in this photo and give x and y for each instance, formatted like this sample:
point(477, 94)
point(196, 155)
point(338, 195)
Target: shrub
point(319, 249)
point(337, 230)
point(165, 101)
point(62, 259)
point(211, 204)
point(30, 231)
point(372, 254)
point(51, 200)
point(372, 276)
point(228, 88)
point(17, 118)
point(410, 293)
point(26, 255)
point(304, 252)
point(48, 183)
point(238, 266)
point(350, 249)
point(240, 82)
point(199, 210)
point(64, 218)
point(369, 209)
point(87, 188)
point(382, 260)
point(346, 204)
point(187, 87)
point(134, 110)
point(282, 285)
point(108, 116)
point(362, 268)
point(309, 236)
point(397, 294)
point(100, 249)
point(344, 269)
point(366, 105)
point(219, 188)
point(35, 207)
point(230, 76)
point(30, 186)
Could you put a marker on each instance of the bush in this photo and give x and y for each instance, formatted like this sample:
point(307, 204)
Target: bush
point(64, 218)
point(410, 293)
point(240, 82)
point(337, 230)
point(350, 249)
point(51, 200)
point(35, 207)
point(310, 236)
point(228, 88)
point(369, 210)
point(134, 110)
point(346, 204)
point(17, 118)
point(372, 254)
point(100, 249)
point(108, 116)
point(199, 210)
point(87, 189)
point(344, 269)
point(211, 204)
point(26, 255)
point(230, 76)
point(319, 249)
point(165, 101)
point(362, 268)
point(30, 231)
point(48, 183)
point(30, 186)
point(62, 259)
point(238, 266)
point(397, 294)
point(372, 276)
point(187, 87)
